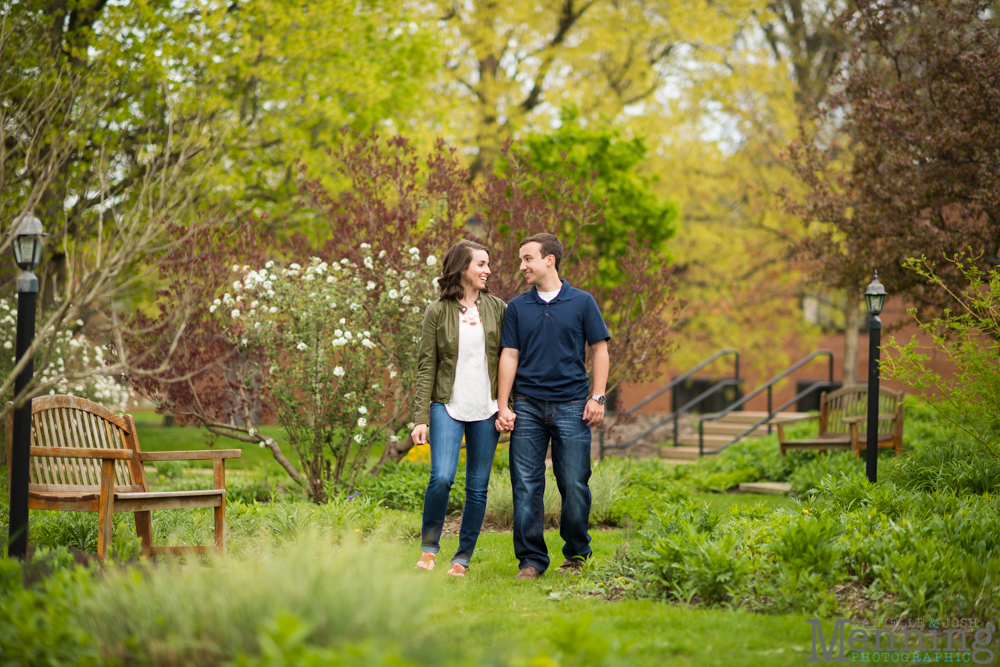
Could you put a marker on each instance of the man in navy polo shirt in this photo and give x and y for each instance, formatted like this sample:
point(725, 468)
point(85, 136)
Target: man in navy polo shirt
point(546, 331)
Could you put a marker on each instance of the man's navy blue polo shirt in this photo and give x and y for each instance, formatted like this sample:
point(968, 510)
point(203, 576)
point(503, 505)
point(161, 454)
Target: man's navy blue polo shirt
point(551, 339)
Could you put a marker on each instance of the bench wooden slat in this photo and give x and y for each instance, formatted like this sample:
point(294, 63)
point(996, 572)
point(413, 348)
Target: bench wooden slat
point(205, 455)
point(95, 431)
point(136, 502)
point(72, 452)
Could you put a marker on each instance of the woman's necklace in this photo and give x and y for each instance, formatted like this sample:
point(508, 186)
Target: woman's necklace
point(469, 316)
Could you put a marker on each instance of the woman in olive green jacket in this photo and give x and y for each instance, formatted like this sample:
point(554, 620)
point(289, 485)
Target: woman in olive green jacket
point(456, 396)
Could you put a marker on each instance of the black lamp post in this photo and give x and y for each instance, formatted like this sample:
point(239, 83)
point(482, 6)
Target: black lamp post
point(875, 298)
point(28, 242)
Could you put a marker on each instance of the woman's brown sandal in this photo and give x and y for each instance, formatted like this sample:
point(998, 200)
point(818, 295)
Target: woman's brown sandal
point(426, 562)
point(457, 570)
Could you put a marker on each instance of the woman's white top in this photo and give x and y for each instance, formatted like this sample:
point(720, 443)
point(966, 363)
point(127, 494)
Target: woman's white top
point(471, 398)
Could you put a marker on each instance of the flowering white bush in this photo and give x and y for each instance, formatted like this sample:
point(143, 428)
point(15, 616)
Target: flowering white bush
point(338, 340)
point(74, 365)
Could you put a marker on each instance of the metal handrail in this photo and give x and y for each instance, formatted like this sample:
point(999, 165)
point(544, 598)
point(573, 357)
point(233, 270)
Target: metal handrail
point(769, 385)
point(734, 381)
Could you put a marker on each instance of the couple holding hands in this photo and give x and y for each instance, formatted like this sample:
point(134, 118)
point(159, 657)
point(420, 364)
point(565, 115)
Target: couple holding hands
point(474, 352)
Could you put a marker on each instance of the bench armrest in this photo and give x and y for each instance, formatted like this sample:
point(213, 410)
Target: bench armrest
point(195, 455)
point(791, 420)
point(83, 453)
point(864, 418)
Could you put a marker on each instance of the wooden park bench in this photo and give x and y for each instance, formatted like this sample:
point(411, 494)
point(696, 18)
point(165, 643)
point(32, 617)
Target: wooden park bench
point(85, 458)
point(843, 422)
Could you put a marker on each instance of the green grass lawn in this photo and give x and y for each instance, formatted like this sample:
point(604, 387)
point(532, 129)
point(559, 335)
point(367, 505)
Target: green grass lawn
point(554, 621)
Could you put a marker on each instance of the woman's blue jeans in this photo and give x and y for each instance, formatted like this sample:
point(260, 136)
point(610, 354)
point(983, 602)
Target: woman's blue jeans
point(537, 422)
point(445, 436)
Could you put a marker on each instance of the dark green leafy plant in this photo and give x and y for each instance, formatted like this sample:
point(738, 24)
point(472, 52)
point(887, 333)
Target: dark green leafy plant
point(968, 337)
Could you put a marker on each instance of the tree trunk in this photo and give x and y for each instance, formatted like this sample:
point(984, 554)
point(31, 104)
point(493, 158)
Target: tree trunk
point(852, 319)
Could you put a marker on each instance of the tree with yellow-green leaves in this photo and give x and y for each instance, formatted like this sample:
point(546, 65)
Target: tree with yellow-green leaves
point(514, 65)
point(258, 84)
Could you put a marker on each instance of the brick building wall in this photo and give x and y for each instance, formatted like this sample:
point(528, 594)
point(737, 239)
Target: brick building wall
point(815, 370)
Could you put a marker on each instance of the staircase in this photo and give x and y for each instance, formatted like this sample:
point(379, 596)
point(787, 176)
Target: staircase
point(718, 434)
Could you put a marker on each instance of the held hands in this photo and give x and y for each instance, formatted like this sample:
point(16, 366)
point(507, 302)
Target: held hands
point(593, 413)
point(419, 434)
point(505, 419)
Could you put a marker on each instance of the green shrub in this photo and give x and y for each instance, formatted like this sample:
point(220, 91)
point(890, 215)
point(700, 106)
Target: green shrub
point(36, 621)
point(204, 616)
point(402, 486)
point(606, 484)
point(749, 460)
point(832, 465)
point(967, 337)
point(638, 501)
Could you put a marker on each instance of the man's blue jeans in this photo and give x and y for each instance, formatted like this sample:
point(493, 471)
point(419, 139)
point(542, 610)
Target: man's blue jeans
point(445, 435)
point(536, 422)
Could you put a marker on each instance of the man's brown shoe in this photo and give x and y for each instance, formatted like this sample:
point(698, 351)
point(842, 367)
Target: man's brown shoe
point(571, 566)
point(528, 572)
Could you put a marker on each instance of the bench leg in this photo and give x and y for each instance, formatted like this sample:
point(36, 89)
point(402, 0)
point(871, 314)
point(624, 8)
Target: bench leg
point(106, 508)
point(219, 479)
point(144, 529)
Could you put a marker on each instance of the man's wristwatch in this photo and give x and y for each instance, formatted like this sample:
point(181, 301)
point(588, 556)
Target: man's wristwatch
point(600, 398)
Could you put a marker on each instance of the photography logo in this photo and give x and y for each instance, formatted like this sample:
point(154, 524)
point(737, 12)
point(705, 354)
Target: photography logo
point(939, 642)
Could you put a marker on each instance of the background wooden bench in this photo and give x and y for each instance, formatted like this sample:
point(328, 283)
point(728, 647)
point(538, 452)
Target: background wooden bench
point(843, 422)
point(85, 458)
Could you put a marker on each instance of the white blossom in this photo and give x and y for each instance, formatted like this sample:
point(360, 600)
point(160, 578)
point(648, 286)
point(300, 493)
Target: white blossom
point(269, 264)
point(272, 310)
point(371, 285)
point(393, 294)
point(357, 438)
point(301, 346)
point(348, 335)
point(294, 267)
point(235, 313)
point(252, 431)
point(367, 343)
point(339, 371)
point(244, 342)
point(338, 333)
point(339, 342)
point(236, 267)
point(362, 422)
point(368, 263)
point(381, 254)
point(413, 251)
point(212, 308)
point(363, 410)
point(329, 279)
point(343, 321)
point(431, 260)
point(406, 298)
point(237, 286)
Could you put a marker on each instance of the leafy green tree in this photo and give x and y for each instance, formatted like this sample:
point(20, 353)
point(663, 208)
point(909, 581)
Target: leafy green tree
point(609, 168)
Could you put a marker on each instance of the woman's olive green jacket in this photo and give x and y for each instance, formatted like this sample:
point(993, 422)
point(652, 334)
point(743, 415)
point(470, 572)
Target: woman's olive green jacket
point(438, 354)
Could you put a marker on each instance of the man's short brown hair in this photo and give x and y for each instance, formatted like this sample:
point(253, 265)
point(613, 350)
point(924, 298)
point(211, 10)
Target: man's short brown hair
point(550, 245)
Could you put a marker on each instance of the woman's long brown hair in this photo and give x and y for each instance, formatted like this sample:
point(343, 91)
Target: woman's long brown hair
point(456, 260)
